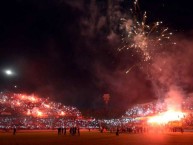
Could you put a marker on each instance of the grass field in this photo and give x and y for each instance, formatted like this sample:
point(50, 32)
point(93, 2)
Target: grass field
point(94, 138)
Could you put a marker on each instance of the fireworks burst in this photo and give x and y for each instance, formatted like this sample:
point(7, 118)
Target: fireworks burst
point(140, 36)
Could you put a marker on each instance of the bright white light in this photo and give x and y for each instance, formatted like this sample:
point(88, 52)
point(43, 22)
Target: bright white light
point(8, 72)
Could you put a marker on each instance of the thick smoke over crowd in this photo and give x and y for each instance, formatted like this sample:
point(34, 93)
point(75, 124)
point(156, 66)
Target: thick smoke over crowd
point(171, 72)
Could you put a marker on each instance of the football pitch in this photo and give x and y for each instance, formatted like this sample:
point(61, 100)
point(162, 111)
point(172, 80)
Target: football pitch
point(94, 138)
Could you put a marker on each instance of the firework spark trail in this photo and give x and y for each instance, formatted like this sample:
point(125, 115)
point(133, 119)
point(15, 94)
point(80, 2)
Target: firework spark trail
point(128, 70)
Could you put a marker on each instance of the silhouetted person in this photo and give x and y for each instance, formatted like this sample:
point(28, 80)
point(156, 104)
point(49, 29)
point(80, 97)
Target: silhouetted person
point(59, 131)
point(71, 130)
point(64, 130)
point(102, 129)
point(182, 130)
point(78, 130)
point(14, 130)
point(75, 130)
point(117, 132)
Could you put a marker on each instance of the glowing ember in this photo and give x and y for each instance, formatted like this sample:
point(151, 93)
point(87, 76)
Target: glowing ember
point(28, 112)
point(39, 113)
point(47, 106)
point(33, 99)
point(62, 113)
point(18, 103)
point(166, 117)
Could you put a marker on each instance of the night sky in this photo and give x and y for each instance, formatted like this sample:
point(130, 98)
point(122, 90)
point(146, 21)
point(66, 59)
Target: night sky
point(66, 51)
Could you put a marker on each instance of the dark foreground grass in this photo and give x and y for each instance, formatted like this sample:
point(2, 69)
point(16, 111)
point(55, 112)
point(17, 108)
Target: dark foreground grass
point(95, 138)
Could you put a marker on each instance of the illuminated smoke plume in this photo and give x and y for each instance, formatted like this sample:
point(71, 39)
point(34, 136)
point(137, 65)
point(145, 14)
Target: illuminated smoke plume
point(160, 58)
point(174, 98)
point(171, 73)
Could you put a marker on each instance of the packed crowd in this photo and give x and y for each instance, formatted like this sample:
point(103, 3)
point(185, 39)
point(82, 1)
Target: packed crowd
point(31, 105)
point(33, 112)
